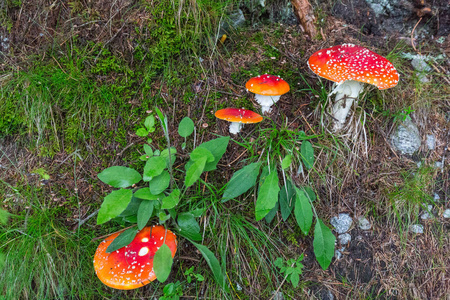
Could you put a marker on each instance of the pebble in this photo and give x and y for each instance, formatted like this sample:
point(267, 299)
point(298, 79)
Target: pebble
point(447, 213)
point(427, 214)
point(406, 138)
point(363, 223)
point(341, 223)
point(344, 238)
point(416, 228)
point(431, 141)
point(436, 197)
point(277, 295)
point(338, 253)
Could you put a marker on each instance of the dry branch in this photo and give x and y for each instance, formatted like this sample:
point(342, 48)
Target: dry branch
point(305, 15)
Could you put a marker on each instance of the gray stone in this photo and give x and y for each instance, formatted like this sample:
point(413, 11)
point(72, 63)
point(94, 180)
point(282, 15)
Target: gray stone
point(406, 138)
point(439, 165)
point(431, 141)
point(420, 65)
point(427, 214)
point(446, 213)
point(363, 223)
point(277, 295)
point(234, 20)
point(338, 253)
point(436, 197)
point(344, 238)
point(341, 223)
point(416, 228)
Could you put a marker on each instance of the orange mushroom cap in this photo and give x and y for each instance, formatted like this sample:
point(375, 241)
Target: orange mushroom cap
point(351, 62)
point(238, 115)
point(267, 85)
point(131, 266)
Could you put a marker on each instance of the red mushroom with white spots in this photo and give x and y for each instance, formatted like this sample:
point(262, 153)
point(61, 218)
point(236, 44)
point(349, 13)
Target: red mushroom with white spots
point(131, 266)
point(238, 117)
point(350, 66)
point(267, 89)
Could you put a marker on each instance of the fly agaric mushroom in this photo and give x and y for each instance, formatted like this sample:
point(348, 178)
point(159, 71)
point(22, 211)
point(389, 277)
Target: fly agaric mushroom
point(131, 266)
point(349, 66)
point(268, 90)
point(238, 117)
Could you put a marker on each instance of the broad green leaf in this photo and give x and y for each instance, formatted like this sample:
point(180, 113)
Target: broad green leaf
point(272, 213)
point(287, 160)
point(163, 217)
point(197, 212)
point(145, 194)
point(113, 205)
point(122, 240)
point(303, 211)
point(153, 167)
point(142, 132)
point(323, 244)
point(162, 263)
point(3, 216)
point(267, 195)
point(186, 127)
point(307, 153)
point(148, 150)
point(144, 157)
point(189, 226)
point(144, 213)
point(295, 279)
point(310, 193)
point(119, 177)
point(159, 183)
point(287, 199)
point(194, 171)
point(217, 147)
point(149, 123)
point(241, 181)
point(200, 152)
point(213, 264)
point(165, 154)
point(132, 207)
point(172, 200)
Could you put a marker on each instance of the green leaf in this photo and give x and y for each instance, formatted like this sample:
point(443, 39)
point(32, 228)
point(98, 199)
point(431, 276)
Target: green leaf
point(242, 181)
point(142, 132)
point(149, 123)
point(120, 177)
point(303, 211)
point(186, 127)
point(148, 150)
point(310, 193)
point(213, 264)
point(132, 207)
point(286, 199)
point(165, 155)
point(113, 205)
point(307, 153)
point(197, 212)
point(295, 279)
point(267, 196)
point(160, 183)
point(323, 244)
point(163, 217)
point(122, 240)
point(172, 200)
point(194, 171)
point(162, 263)
point(287, 160)
point(153, 167)
point(3, 216)
point(145, 194)
point(199, 153)
point(189, 226)
point(272, 213)
point(217, 147)
point(144, 213)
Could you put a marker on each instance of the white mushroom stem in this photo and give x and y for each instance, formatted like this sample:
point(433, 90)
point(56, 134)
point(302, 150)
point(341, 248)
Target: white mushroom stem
point(235, 127)
point(266, 101)
point(345, 92)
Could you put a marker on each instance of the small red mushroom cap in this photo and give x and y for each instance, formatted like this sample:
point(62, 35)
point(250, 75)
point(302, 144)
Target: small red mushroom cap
point(131, 267)
point(267, 85)
point(238, 115)
point(351, 62)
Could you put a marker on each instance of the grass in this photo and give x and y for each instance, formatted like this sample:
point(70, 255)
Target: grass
point(71, 109)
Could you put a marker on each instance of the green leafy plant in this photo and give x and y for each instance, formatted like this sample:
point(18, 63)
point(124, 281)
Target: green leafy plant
point(172, 291)
point(292, 269)
point(154, 195)
point(288, 198)
point(191, 275)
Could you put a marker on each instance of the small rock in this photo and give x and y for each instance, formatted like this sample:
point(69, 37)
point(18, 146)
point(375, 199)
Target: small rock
point(277, 295)
point(420, 65)
point(341, 223)
point(422, 78)
point(446, 213)
point(344, 238)
point(431, 141)
point(416, 228)
point(338, 253)
point(436, 197)
point(363, 223)
point(439, 165)
point(406, 138)
point(427, 214)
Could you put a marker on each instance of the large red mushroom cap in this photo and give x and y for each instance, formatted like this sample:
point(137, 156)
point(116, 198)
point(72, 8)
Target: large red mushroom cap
point(131, 267)
point(351, 62)
point(267, 85)
point(238, 115)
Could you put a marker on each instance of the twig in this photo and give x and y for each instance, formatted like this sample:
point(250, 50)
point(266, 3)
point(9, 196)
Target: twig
point(81, 222)
point(412, 36)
